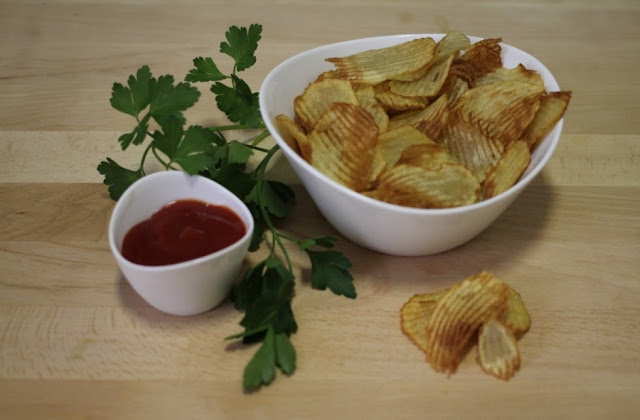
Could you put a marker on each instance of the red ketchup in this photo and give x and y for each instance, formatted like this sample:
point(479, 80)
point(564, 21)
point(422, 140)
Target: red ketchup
point(181, 231)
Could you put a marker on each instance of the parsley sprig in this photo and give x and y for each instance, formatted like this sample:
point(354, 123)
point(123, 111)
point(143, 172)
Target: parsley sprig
point(265, 292)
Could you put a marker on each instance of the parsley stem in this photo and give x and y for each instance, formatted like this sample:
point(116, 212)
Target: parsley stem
point(260, 137)
point(144, 157)
point(155, 153)
point(274, 232)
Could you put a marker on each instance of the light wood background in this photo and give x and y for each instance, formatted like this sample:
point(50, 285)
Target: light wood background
point(77, 342)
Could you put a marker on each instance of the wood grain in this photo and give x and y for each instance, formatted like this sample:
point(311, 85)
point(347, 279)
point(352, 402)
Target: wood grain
point(77, 342)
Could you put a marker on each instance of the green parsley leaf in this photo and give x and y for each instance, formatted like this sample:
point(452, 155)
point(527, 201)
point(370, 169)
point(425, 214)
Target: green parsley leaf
point(331, 269)
point(275, 199)
point(117, 178)
point(192, 150)
point(241, 45)
point(262, 368)
point(137, 136)
point(133, 99)
point(167, 99)
point(326, 241)
point(238, 103)
point(238, 153)
point(205, 71)
point(285, 353)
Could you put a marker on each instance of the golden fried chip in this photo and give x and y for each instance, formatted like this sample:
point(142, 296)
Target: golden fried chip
point(343, 143)
point(452, 43)
point(470, 145)
point(415, 314)
point(436, 183)
point(519, 73)
point(506, 172)
point(484, 56)
point(293, 135)
point(428, 85)
point(552, 107)
point(498, 350)
point(317, 97)
point(377, 166)
point(367, 98)
point(458, 316)
point(453, 88)
point(404, 60)
point(392, 101)
point(515, 316)
point(429, 120)
point(392, 143)
point(502, 110)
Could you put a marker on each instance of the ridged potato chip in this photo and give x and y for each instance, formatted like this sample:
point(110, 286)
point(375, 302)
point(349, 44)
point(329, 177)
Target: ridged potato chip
point(458, 316)
point(317, 97)
point(519, 73)
point(507, 170)
point(500, 110)
point(515, 317)
point(403, 61)
point(450, 44)
point(470, 145)
point(498, 350)
point(392, 143)
point(415, 314)
point(293, 135)
point(429, 120)
point(396, 102)
point(342, 143)
point(429, 179)
point(552, 107)
point(367, 99)
point(425, 86)
point(485, 56)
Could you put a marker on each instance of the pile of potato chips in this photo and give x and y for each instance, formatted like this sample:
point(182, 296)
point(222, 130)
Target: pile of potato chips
point(424, 124)
point(444, 324)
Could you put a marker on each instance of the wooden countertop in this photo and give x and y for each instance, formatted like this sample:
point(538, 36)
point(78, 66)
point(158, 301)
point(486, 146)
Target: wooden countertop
point(77, 342)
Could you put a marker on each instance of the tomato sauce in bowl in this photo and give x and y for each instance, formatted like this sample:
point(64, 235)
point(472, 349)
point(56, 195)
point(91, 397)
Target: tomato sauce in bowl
point(180, 231)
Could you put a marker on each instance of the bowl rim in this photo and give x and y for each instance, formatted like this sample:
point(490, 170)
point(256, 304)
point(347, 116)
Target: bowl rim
point(248, 222)
point(514, 189)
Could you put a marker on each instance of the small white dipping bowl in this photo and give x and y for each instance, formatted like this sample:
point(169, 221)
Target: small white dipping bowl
point(189, 287)
point(379, 226)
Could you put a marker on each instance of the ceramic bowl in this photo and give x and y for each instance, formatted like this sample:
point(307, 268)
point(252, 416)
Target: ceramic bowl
point(382, 227)
point(189, 287)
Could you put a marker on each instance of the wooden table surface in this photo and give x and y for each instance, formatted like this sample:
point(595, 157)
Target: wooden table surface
point(77, 342)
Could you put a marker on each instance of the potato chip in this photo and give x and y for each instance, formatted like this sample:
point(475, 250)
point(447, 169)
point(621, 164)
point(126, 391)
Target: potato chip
point(500, 110)
point(415, 314)
point(377, 166)
point(507, 170)
point(435, 184)
point(367, 99)
point(343, 143)
point(403, 61)
point(498, 350)
point(459, 314)
point(392, 143)
point(515, 317)
point(552, 107)
point(392, 101)
point(519, 73)
point(317, 97)
point(294, 136)
point(453, 88)
point(428, 85)
point(470, 145)
point(484, 56)
point(429, 120)
point(452, 43)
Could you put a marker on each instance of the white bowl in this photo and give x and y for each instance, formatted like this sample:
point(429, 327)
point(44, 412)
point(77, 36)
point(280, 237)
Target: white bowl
point(189, 287)
point(379, 226)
